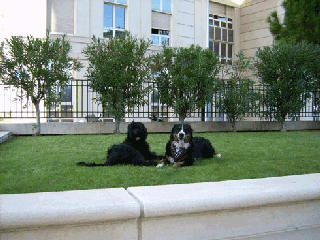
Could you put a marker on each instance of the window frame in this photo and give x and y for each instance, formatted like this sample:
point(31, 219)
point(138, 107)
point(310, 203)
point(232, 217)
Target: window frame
point(221, 25)
point(161, 7)
point(116, 2)
point(160, 36)
point(114, 29)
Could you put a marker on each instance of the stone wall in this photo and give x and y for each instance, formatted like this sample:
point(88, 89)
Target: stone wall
point(242, 209)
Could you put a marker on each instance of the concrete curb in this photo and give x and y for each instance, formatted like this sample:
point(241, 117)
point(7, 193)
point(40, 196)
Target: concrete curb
point(4, 136)
point(153, 127)
point(214, 210)
point(71, 207)
point(159, 201)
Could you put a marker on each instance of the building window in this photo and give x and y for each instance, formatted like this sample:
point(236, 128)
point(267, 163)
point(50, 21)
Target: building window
point(161, 5)
point(159, 36)
point(155, 96)
point(221, 37)
point(114, 19)
point(66, 94)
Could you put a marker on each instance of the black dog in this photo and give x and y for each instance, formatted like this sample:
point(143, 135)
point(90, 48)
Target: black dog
point(203, 148)
point(180, 147)
point(134, 150)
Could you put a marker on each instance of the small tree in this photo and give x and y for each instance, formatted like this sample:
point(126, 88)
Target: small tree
point(288, 73)
point(117, 70)
point(185, 78)
point(238, 97)
point(39, 66)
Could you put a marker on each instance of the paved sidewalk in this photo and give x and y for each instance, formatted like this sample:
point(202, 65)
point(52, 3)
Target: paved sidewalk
point(312, 233)
point(4, 136)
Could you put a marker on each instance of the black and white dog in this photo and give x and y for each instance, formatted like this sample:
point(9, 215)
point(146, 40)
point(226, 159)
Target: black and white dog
point(179, 147)
point(182, 147)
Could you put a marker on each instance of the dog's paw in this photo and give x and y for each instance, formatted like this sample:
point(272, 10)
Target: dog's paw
point(218, 155)
point(171, 160)
point(160, 165)
point(178, 164)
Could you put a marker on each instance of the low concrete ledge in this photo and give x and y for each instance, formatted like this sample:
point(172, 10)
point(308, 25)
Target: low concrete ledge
point(4, 136)
point(61, 208)
point(216, 210)
point(159, 201)
point(153, 127)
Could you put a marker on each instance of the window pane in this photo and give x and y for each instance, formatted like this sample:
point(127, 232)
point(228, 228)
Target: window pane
point(107, 23)
point(229, 51)
point(164, 32)
point(118, 34)
point(223, 24)
point(154, 31)
point(216, 48)
point(211, 32)
point(155, 96)
point(155, 39)
point(66, 94)
point(108, 34)
point(224, 34)
point(211, 46)
point(210, 22)
point(230, 25)
point(222, 19)
point(217, 23)
point(109, 0)
point(165, 40)
point(217, 33)
point(119, 17)
point(156, 5)
point(122, 1)
point(230, 36)
point(223, 50)
point(166, 6)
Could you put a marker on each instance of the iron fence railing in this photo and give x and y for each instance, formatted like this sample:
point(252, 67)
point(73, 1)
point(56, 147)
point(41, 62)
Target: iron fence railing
point(78, 104)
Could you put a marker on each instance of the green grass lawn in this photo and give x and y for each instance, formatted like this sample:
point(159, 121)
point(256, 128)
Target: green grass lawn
point(48, 163)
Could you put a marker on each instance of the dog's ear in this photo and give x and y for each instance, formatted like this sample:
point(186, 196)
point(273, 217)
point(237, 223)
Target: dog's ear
point(174, 127)
point(143, 129)
point(172, 131)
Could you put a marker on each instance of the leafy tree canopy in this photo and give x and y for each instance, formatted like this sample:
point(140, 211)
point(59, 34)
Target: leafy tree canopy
point(118, 69)
point(288, 72)
point(185, 77)
point(236, 90)
point(301, 22)
point(39, 66)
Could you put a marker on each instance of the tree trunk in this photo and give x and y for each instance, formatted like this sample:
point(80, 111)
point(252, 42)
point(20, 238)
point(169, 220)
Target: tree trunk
point(37, 106)
point(283, 126)
point(233, 123)
point(181, 118)
point(117, 129)
point(203, 114)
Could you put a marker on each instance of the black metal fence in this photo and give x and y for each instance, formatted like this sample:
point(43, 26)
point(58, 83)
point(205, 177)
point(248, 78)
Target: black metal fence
point(78, 104)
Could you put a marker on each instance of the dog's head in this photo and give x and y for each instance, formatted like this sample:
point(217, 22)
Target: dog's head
point(137, 132)
point(181, 134)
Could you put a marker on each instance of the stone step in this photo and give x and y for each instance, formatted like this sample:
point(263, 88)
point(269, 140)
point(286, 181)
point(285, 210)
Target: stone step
point(4, 136)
